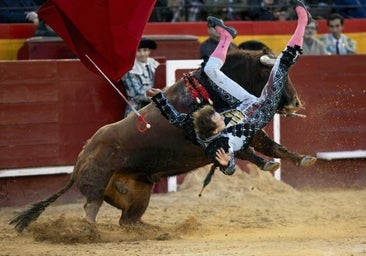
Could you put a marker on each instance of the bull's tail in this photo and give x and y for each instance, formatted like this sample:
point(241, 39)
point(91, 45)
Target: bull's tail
point(24, 218)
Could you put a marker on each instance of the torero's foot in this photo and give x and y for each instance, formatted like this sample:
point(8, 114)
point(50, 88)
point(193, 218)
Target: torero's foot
point(213, 22)
point(271, 166)
point(296, 3)
point(290, 55)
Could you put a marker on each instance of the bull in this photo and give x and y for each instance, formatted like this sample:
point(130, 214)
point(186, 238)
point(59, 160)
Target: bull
point(119, 165)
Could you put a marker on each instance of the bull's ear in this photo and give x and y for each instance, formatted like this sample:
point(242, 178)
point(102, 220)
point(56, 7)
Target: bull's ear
point(266, 60)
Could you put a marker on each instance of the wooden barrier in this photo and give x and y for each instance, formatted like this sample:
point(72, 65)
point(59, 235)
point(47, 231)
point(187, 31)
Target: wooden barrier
point(48, 109)
point(333, 90)
point(169, 47)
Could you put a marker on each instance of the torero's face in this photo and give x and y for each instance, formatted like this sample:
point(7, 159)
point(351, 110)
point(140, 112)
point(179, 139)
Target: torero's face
point(219, 121)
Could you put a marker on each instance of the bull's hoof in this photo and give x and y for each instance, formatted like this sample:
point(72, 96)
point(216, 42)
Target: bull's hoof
point(307, 161)
point(271, 166)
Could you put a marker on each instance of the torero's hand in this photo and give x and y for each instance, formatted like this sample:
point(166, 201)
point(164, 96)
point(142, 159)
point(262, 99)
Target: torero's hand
point(222, 157)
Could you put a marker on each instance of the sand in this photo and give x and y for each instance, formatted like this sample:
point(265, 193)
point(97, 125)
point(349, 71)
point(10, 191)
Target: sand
point(245, 214)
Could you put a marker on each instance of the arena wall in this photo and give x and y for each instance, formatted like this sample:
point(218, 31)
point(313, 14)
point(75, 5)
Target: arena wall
point(49, 108)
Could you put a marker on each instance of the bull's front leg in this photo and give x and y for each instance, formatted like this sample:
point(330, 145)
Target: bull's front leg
point(263, 143)
point(249, 155)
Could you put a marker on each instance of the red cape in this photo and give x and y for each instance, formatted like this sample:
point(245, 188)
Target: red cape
point(108, 31)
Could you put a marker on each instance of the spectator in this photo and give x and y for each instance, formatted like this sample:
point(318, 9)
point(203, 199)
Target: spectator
point(267, 10)
point(312, 45)
point(18, 11)
point(336, 42)
point(141, 77)
point(226, 9)
point(190, 10)
point(320, 9)
point(351, 8)
point(44, 30)
point(209, 45)
point(161, 12)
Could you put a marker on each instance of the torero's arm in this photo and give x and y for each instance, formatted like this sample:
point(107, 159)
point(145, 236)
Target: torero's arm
point(180, 120)
point(169, 111)
point(220, 146)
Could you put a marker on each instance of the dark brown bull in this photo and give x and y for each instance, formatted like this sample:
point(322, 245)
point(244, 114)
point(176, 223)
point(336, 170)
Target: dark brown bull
point(137, 160)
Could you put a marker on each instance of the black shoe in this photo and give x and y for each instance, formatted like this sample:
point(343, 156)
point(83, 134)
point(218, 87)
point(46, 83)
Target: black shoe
point(295, 3)
point(213, 22)
point(290, 55)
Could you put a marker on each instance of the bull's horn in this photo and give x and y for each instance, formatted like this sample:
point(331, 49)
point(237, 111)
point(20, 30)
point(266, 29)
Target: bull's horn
point(266, 60)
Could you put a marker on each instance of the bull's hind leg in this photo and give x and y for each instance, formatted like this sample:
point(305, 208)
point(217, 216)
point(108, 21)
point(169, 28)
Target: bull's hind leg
point(130, 194)
point(262, 143)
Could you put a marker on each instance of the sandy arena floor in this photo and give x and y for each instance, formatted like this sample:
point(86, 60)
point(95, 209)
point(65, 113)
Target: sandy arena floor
point(246, 214)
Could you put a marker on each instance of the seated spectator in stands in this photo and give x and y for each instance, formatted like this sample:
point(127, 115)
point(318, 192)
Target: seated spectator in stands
point(141, 77)
point(209, 45)
point(226, 9)
point(161, 12)
point(336, 42)
point(190, 10)
point(351, 8)
point(44, 30)
point(267, 10)
point(320, 9)
point(312, 45)
point(18, 11)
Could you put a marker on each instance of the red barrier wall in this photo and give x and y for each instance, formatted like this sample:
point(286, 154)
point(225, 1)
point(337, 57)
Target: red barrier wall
point(333, 89)
point(48, 109)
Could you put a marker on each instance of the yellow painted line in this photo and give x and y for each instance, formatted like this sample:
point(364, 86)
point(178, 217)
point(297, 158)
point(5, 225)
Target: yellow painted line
point(9, 48)
point(278, 42)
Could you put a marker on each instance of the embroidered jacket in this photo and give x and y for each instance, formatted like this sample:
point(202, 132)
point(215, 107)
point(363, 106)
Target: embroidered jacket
point(233, 138)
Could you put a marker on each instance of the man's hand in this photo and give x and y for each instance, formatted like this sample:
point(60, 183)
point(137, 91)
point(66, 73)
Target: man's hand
point(32, 17)
point(222, 157)
point(152, 92)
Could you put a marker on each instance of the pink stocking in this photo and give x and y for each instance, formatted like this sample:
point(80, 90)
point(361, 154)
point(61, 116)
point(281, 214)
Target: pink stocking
point(297, 37)
point(223, 45)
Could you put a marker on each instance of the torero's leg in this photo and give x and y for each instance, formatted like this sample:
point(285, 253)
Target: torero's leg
point(262, 111)
point(293, 49)
point(217, 59)
point(250, 155)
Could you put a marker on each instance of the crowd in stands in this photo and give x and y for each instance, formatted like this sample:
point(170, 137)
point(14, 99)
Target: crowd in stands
point(15, 11)
point(198, 10)
point(335, 11)
point(24, 11)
